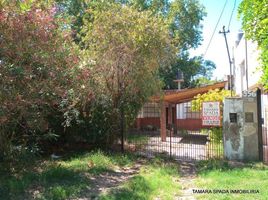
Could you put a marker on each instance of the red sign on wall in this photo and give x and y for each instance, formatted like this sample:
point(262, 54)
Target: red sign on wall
point(211, 113)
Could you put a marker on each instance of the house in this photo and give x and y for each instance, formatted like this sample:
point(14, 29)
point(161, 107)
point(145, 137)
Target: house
point(173, 109)
point(245, 65)
point(247, 78)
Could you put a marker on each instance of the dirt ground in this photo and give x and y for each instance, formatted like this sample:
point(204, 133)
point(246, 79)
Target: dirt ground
point(102, 184)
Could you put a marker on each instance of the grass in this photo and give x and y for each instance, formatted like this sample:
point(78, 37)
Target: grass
point(59, 180)
point(156, 180)
point(221, 179)
point(71, 179)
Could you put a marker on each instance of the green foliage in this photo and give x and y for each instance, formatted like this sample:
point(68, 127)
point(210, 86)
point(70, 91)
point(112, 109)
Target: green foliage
point(183, 16)
point(124, 49)
point(194, 70)
point(25, 5)
point(37, 71)
point(254, 19)
point(255, 24)
point(212, 95)
point(51, 88)
point(183, 19)
point(216, 135)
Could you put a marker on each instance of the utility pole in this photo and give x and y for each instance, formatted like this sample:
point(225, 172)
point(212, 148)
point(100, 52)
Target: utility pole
point(230, 61)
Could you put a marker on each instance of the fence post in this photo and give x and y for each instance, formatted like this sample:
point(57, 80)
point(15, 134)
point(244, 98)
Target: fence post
point(259, 113)
point(122, 127)
point(170, 137)
point(163, 127)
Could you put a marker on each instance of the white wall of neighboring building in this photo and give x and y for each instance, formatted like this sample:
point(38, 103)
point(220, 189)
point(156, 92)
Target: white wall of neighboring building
point(254, 75)
point(242, 65)
point(180, 111)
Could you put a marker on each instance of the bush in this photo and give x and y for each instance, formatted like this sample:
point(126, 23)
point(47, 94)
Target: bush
point(36, 71)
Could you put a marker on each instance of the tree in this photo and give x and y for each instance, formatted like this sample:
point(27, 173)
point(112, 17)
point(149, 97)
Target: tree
point(125, 48)
point(37, 68)
point(183, 18)
point(194, 70)
point(255, 24)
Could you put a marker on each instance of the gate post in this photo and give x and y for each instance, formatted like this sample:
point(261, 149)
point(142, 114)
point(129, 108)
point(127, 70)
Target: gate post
point(163, 128)
point(259, 116)
point(170, 118)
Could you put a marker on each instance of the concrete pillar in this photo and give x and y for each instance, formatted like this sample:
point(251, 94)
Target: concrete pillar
point(163, 128)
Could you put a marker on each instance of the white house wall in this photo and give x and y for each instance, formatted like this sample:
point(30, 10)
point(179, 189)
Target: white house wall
point(181, 114)
point(254, 74)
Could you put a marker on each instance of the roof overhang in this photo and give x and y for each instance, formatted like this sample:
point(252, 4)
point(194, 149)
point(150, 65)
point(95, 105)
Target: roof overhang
point(180, 96)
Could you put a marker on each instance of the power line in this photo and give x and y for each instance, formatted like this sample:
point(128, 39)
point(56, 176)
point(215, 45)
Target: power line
point(215, 28)
point(231, 15)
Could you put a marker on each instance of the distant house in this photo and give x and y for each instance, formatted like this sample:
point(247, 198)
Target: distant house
point(173, 109)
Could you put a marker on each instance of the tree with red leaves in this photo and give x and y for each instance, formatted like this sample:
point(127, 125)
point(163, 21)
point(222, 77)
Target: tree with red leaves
point(38, 70)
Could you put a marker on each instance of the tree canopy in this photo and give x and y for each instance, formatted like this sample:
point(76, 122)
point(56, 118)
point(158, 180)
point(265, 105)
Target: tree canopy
point(183, 19)
point(254, 16)
point(182, 16)
point(127, 48)
point(194, 70)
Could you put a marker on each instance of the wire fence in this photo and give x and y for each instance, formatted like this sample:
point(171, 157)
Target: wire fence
point(186, 138)
point(189, 145)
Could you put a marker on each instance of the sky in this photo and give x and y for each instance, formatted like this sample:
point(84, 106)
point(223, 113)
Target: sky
point(217, 50)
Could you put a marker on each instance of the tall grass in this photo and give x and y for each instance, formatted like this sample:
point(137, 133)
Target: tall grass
point(60, 179)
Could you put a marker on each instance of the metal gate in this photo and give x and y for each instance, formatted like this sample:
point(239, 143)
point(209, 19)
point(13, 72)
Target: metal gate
point(185, 138)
